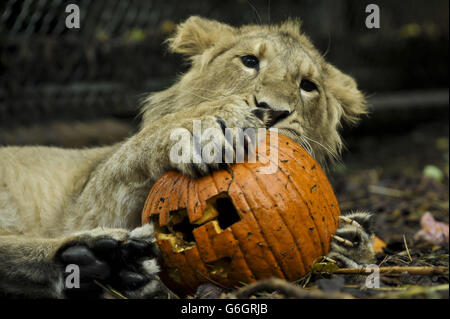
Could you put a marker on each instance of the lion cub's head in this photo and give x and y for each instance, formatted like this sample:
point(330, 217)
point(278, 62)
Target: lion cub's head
point(278, 65)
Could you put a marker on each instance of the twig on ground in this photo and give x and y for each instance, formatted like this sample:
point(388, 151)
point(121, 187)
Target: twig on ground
point(381, 190)
point(406, 247)
point(386, 258)
point(109, 290)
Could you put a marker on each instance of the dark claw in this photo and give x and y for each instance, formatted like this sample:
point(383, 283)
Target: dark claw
point(259, 113)
point(138, 248)
point(129, 279)
point(155, 251)
point(222, 123)
point(134, 249)
point(222, 166)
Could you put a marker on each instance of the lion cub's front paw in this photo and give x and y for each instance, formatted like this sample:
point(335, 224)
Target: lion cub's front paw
point(123, 260)
point(352, 245)
point(227, 131)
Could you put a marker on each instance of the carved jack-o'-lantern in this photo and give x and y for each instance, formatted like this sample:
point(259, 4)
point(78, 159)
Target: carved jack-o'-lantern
point(237, 225)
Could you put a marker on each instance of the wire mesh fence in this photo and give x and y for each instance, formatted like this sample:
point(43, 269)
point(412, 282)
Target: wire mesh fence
point(48, 71)
point(51, 71)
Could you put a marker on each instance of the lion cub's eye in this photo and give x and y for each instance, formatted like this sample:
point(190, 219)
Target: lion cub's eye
point(250, 61)
point(307, 86)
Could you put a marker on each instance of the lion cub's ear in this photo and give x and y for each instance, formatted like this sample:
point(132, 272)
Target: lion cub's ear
point(197, 34)
point(344, 89)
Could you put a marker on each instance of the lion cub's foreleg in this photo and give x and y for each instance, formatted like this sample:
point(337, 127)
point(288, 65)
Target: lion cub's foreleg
point(27, 267)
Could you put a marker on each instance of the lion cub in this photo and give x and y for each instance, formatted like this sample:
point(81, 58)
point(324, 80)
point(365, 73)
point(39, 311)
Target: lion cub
point(62, 206)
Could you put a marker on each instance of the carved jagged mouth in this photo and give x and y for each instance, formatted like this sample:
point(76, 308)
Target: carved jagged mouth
point(219, 211)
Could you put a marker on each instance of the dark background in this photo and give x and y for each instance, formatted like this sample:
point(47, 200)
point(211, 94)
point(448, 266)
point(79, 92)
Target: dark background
point(82, 87)
point(51, 75)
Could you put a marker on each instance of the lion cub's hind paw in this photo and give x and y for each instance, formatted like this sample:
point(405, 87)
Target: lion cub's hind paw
point(352, 245)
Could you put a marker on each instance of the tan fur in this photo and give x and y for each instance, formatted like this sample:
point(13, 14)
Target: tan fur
point(51, 193)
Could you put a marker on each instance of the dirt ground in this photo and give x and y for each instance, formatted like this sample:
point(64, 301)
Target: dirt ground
point(401, 167)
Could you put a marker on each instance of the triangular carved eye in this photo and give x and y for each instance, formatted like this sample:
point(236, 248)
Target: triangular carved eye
point(219, 208)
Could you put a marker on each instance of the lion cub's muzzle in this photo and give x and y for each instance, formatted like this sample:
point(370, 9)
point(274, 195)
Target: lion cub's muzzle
point(270, 115)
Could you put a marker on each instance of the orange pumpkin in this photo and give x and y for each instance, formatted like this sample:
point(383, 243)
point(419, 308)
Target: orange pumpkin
point(237, 226)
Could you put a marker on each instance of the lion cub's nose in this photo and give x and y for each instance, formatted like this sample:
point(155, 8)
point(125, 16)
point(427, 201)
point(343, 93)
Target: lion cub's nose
point(276, 116)
point(271, 116)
